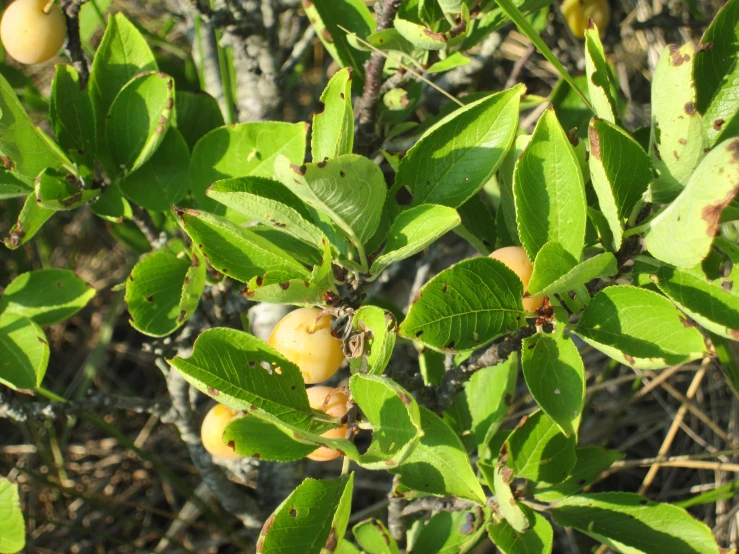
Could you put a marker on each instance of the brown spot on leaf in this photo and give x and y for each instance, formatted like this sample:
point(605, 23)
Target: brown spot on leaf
point(734, 147)
point(404, 397)
point(706, 46)
point(232, 445)
point(682, 141)
point(332, 542)
point(299, 169)
point(322, 163)
point(712, 214)
point(507, 474)
point(594, 142)
point(434, 36)
point(690, 108)
point(718, 123)
point(677, 58)
point(181, 317)
point(629, 359)
point(213, 392)
point(285, 285)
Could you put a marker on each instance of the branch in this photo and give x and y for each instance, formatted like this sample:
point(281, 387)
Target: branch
point(439, 397)
point(73, 46)
point(19, 411)
point(385, 11)
point(231, 498)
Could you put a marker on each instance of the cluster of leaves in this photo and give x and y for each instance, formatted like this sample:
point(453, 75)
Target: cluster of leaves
point(130, 141)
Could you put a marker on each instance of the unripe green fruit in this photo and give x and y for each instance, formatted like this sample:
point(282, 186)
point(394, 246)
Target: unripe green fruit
point(334, 403)
point(577, 12)
point(28, 34)
point(211, 432)
point(308, 344)
point(514, 257)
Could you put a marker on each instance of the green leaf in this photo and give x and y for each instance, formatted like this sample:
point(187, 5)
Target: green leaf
point(270, 203)
point(71, 113)
point(618, 184)
point(509, 507)
point(374, 538)
point(311, 520)
point(483, 404)
point(296, 248)
point(707, 302)
point(30, 220)
point(60, 191)
point(350, 189)
point(506, 214)
point(556, 271)
point(239, 370)
point(555, 375)
point(327, 15)
point(379, 327)
point(537, 540)
point(450, 532)
point(255, 437)
point(164, 179)
point(280, 287)
point(395, 419)
point(439, 464)
point(242, 150)
point(453, 60)
point(235, 251)
point(466, 306)
point(23, 149)
point(420, 36)
point(346, 547)
point(678, 139)
point(591, 462)
point(24, 353)
point(549, 191)
point(164, 289)
point(639, 328)
point(111, 205)
point(12, 528)
point(478, 223)
point(412, 231)
point(459, 154)
point(596, 68)
point(716, 74)
point(196, 114)
point(682, 233)
point(46, 296)
point(631, 524)
point(539, 451)
point(123, 53)
point(11, 186)
point(138, 120)
point(333, 128)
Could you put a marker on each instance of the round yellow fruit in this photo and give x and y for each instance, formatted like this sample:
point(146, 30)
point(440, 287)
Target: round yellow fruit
point(28, 34)
point(211, 432)
point(514, 257)
point(308, 344)
point(577, 12)
point(334, 403)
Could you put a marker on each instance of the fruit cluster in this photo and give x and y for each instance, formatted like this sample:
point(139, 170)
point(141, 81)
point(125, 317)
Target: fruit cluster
point(304, 337)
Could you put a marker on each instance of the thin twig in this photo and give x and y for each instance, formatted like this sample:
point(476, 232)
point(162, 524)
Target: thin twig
point(675, 426)
point(73, 46)
point(385, 11)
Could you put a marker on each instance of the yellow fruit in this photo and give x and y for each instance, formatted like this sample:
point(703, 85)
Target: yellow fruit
point(308, 344)
point(514, 257)
point(28, 34)
point(334, 403)
point(577, 12)
point(211, 432)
